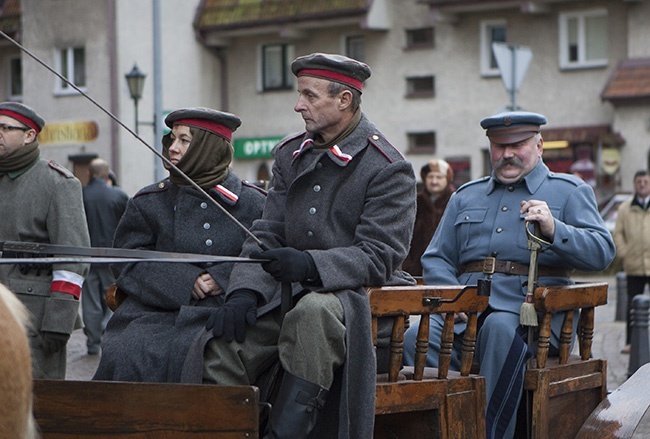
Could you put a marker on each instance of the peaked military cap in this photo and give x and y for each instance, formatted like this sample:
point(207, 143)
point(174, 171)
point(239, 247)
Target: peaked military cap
point(512, 126)
point(337, 68)
point(22, 113)
point(218, 122)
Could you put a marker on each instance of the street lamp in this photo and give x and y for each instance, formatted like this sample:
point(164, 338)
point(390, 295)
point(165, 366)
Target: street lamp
point(135, 80)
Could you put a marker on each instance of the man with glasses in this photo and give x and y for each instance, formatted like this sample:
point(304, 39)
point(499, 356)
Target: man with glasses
point(40, 201)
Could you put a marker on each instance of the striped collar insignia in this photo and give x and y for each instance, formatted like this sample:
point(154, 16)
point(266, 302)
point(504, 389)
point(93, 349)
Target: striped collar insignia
point(340, 154)
point(226, 193)
point(303, 145)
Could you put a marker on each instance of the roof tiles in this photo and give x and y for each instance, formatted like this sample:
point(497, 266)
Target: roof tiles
point(241, 13)
point(629, 82)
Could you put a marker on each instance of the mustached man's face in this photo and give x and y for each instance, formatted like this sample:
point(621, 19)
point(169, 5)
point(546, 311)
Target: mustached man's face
point(511, 162)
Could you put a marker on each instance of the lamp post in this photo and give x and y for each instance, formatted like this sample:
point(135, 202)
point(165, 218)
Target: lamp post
point(135, 80)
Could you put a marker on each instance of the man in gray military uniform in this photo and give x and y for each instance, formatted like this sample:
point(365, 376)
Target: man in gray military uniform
point(41, 202)
point(338, 216)
point(484, 222)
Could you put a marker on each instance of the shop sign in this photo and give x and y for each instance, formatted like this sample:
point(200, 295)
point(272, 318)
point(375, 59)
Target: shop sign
point(68, 133)
point(610, 160)
point(255, 148)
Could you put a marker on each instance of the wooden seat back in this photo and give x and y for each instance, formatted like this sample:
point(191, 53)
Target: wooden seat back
point(100, 409)
point(420, 401)
point(564, 390)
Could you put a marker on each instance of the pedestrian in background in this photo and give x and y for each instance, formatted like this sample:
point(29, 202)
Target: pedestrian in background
point(41, 202)
point(104, 205)
point(437, 187)
point(632, 238)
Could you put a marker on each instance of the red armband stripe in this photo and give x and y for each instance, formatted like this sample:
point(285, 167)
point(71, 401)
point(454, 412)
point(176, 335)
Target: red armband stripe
point(60, 286)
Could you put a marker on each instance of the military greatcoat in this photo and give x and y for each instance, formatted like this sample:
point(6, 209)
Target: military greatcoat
point(149, 335)
point(352, 208)
point(44, 204)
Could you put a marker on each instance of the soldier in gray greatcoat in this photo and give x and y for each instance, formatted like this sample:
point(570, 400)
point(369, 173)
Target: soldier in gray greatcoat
point(168, 304)
point(41, 202)
point(338, 217)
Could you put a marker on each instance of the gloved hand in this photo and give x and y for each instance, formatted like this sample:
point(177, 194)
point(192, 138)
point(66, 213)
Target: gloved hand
point(230, 319)
point(52, 342)
point(287, 264)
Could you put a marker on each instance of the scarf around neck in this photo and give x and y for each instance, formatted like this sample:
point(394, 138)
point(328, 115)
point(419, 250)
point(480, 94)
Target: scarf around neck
point(20, 158)
point(356, 118)
point(206, 160)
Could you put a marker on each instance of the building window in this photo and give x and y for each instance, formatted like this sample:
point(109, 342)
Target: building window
point(422, 143)
point(72, 65)
point(420, 87)
point(354, 47)
point(491, 31)
point(583, 39)
point(462, 166)
point(15, 78)
point(420, 38)
point(276, 71)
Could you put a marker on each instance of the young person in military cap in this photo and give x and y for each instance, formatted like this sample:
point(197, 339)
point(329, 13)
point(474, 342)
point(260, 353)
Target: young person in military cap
point(167, 305)
point(338, 217)
point(485, 222)
point(41, 202)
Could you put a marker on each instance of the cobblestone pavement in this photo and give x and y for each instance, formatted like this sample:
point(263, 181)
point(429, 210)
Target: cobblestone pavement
point(609, 339)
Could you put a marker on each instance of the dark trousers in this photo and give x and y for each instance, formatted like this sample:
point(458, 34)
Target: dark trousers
point(635, 285)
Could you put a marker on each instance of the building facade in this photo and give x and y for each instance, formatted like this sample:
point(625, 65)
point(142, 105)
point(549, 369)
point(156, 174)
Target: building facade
point(434, 76)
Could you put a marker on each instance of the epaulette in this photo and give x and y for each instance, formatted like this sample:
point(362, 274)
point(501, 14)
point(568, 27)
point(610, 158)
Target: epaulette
point(576, 181)
point(385, 147)
point(155, 188)
point(472, 183)
point(60, 169)
point(255, 186)
point(288, 138)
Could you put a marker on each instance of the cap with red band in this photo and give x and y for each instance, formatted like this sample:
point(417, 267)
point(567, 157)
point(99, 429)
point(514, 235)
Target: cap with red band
point(337, 68)
point(23, 114)
point(217, 122)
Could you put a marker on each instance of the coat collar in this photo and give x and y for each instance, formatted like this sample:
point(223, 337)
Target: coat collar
point(531, 181)
point(228, 190)
point(343, 152)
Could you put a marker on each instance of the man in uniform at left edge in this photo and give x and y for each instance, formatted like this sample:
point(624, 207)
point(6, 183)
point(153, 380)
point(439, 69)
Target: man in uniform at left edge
point(41, 201)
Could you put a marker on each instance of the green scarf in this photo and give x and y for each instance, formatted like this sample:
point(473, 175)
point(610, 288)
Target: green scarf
point(356, 118)
point(206, 160)
point(21, 158)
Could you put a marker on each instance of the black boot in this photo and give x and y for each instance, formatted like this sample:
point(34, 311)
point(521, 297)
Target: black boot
point(296, 408)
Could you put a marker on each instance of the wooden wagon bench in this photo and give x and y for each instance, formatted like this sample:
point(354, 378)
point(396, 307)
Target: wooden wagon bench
point(411, 401)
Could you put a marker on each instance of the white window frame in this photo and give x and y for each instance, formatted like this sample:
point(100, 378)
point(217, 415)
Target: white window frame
point(486, 46)
point(360, 40)
point(289, 55)
point(62, 88)
point(10, 76)
point(563, 25)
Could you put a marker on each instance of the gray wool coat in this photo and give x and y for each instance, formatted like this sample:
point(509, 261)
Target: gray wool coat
point(148, 336)
point(44, 204)
point(354, 213)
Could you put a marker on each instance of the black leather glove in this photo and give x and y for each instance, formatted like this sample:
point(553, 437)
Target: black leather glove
point(287, 264)
point(52, 342)
point(230, 319)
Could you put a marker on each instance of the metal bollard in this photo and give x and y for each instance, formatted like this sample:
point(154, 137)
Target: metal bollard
point(640, 349)
point(621, 296)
